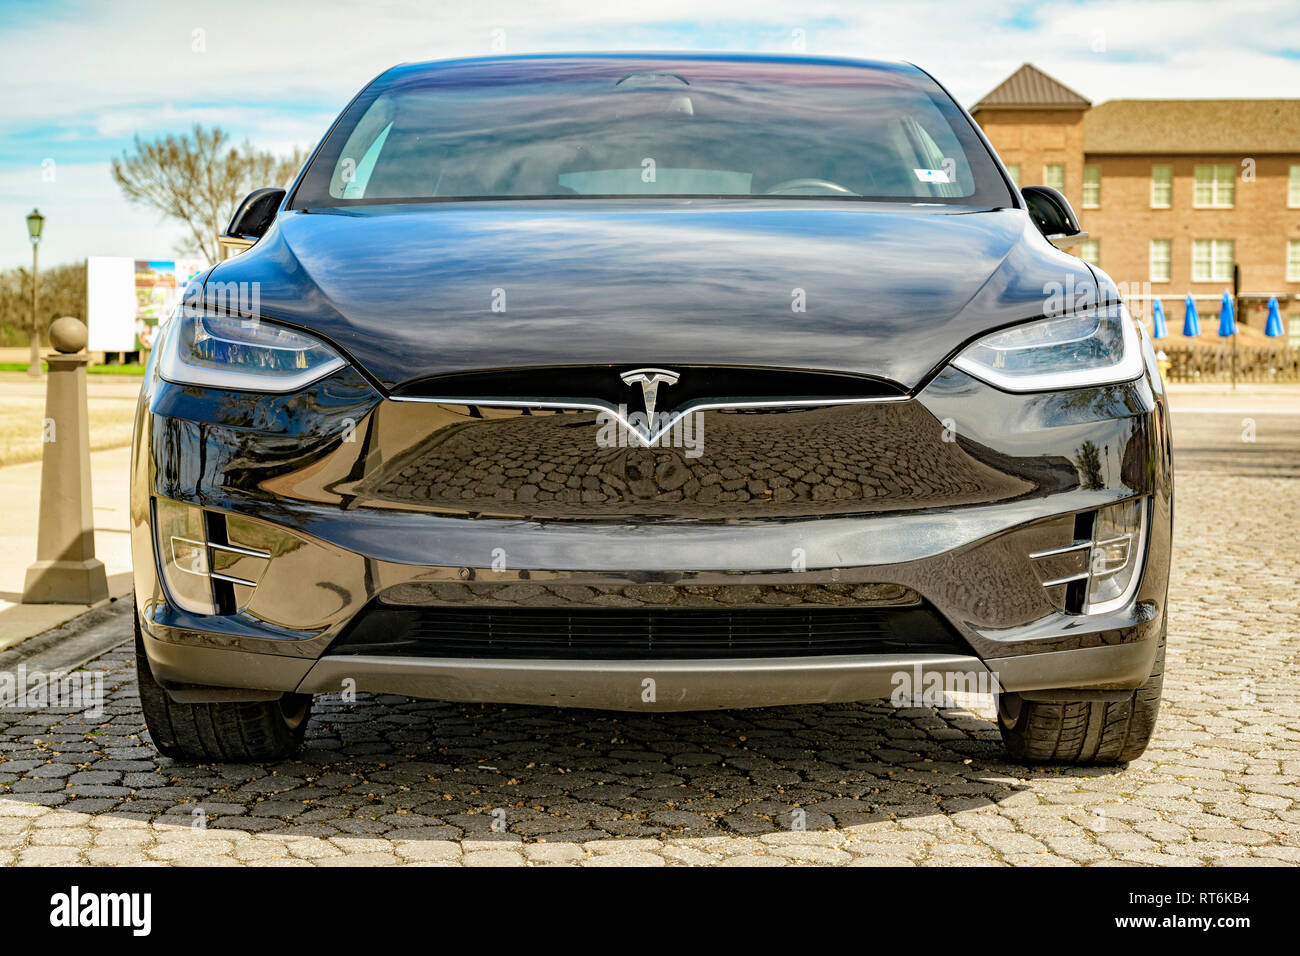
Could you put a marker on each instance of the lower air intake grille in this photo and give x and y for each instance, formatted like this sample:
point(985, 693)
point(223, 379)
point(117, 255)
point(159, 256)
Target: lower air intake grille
point(644, 633)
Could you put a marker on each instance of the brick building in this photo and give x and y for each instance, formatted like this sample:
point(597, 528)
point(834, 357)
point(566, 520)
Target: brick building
point(1171, 192)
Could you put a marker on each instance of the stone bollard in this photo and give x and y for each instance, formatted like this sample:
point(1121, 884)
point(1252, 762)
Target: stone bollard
point(66, 570)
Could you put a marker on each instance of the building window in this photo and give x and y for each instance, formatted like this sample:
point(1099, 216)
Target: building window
point(1214, 187)
point(1162, 187)
point(1293, 331)
point(1013, 169)
point(1090, 251)
point(1212, 260)
point(1054, 175)
point(1293, 188)
point(1160, 256)
point(1091, 187)
point(1293, 260)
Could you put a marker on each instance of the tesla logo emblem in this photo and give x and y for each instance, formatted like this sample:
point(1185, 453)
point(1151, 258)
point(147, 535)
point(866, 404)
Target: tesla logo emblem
point(650, 379)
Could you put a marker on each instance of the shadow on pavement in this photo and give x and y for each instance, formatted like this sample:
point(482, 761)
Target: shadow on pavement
point(401, 769)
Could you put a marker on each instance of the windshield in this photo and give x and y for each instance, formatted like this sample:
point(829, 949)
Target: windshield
point(625, 127)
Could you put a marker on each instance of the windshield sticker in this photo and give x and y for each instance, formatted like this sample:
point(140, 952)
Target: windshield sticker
point(932, 175)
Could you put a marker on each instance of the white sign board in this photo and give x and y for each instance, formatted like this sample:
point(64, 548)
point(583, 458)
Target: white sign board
point(110, 304)
point(127, 299)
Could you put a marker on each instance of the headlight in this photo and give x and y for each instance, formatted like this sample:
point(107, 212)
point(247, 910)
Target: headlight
point(241, 354)
point(1098, 347)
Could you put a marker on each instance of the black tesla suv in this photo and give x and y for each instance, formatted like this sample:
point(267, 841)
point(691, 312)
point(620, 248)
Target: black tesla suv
point(652, 383)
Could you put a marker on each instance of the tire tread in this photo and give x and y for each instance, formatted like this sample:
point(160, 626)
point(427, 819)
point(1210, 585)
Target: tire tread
point(244, 731)
point(1087, 732)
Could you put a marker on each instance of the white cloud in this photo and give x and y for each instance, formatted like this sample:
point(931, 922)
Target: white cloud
point(265, 127)
point(118, 56)
point(84, 215)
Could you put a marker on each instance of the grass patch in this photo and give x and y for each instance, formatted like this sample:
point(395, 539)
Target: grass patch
point(21, 433)
point(92, 370)
point(116, 370)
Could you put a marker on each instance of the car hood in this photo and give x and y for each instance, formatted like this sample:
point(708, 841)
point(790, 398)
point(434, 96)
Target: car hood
point(887, 290)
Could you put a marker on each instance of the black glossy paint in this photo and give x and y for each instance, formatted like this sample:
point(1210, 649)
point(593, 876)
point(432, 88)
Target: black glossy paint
point(958, 531)
point(890, 291)
point(942, 490)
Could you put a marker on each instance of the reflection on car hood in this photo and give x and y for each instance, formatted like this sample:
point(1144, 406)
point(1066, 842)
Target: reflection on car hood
point(887, 290)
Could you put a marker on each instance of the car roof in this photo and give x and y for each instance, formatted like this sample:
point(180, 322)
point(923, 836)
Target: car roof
point(543, 64)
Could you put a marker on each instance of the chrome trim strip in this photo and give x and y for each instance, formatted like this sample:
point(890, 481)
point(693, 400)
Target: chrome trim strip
point(1055, 551)
point(239, 549)
point(1074, 577)
point(232, 579)
point(678, 415)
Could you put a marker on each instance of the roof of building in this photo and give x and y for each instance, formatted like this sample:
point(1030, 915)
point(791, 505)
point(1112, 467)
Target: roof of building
point(1031, 88)
point(1237, 127)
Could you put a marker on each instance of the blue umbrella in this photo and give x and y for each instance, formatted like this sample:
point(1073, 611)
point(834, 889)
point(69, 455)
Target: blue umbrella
point(1273, 328)
point(1191, 321)
point(1158, 320)
point(1227, 323)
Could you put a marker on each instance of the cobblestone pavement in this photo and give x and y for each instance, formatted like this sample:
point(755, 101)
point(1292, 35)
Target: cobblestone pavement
point(390, 780)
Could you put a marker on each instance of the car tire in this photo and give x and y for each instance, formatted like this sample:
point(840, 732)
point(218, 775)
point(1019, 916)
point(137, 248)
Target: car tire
point(238, 731)
point(1083, 731)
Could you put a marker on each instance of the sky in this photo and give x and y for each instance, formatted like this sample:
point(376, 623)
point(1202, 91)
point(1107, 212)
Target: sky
point(81, 79)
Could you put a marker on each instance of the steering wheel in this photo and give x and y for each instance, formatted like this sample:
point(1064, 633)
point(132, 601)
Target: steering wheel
point(825, 184)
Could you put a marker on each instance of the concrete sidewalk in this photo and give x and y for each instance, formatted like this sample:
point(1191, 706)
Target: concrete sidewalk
point(1245, 399)
point(20, 492)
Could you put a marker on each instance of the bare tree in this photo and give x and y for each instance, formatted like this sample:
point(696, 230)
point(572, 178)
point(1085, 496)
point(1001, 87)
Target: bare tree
point(198, 179)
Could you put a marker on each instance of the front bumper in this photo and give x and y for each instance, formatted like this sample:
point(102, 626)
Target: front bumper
point(321, 481)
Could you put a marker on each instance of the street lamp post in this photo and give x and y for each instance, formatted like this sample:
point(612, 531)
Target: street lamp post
point(1236, 318)
point(35, 222)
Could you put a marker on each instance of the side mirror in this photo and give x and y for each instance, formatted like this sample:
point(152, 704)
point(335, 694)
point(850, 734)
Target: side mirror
point(1053, 216)
point(252, 218)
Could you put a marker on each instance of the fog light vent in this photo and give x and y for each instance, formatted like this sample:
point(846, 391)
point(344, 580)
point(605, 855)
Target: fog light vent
point(1100, 568)
point(200, 568)
point(1118, 542)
